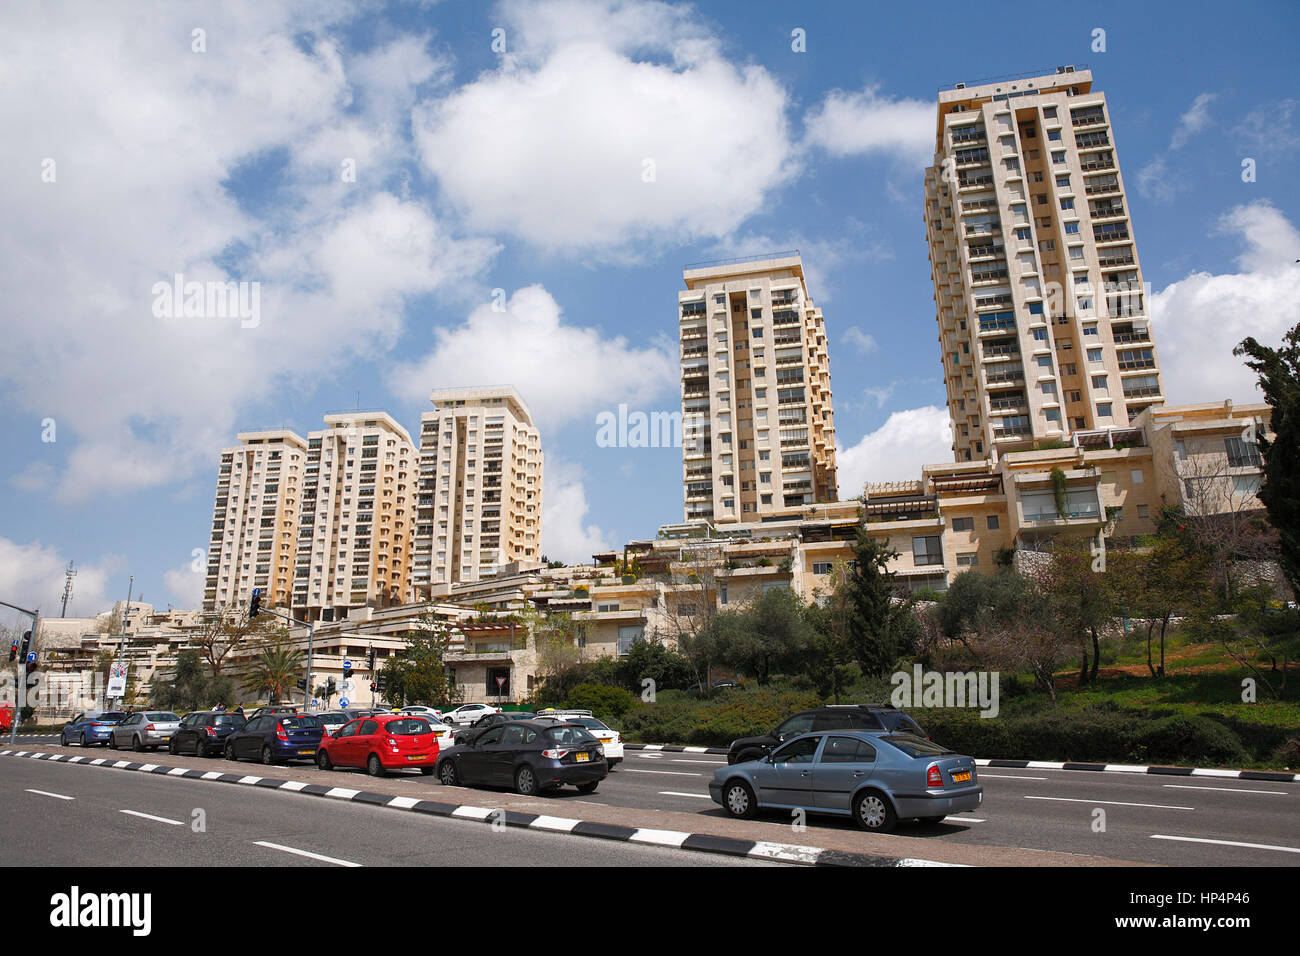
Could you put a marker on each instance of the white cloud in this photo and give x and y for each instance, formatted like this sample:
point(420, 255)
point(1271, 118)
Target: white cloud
point(1197, 320)
point(564, 372)
point(147, 138)
point(896, 450)
point(1196, 119)
point(1154, 181)
point(865, 122)
point(864, 342)
point(566, 536)
point(554, 145)
point(31, 576)
point(185, 585)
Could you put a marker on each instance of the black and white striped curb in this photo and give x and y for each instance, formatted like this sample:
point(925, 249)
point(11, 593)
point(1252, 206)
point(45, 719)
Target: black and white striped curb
point(1270, 775)
point(702, 842)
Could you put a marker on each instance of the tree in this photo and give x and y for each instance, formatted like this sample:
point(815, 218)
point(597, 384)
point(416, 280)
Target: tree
point(189, 687)
point(881, 629)
point(229, 629)
point(1079, 602)
point(275, 671)
point(767, 636)
point(418, 673)
point(1279, 379)
point(1169, 579)
point(833, 620)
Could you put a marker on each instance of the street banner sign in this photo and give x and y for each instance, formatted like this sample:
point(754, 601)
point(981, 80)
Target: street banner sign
point(116, 686)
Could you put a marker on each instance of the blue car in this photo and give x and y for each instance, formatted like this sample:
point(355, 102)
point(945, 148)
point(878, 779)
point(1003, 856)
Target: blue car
point(90, 727)
point(872, 777)
point(276, 738)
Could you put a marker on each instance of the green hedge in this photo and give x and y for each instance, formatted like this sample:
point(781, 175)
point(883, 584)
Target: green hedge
point(676, 718)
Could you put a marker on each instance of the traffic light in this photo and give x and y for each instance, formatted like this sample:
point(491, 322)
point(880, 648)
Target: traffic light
point(31, 669)
point(372, 660)
point(331, 688)
point(302, 683)
point(255, 603)
point(13, 651)
point(373, 688)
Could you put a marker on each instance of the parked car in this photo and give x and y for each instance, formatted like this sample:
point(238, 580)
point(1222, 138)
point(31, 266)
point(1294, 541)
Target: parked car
point(275, 738)
point(466, 714)
point(875, 778)
point(530, 755)
point(204, 732)
point(420, 710)
point(143, 730)
point(381, 743)
point(7, 718)
point(90, 727)
point(609, 738)
point(491, 720)
point(829, 717)
point(333, 719)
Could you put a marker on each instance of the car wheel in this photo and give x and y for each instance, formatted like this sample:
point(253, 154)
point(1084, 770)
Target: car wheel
point(268, 758)
point(588, 787)
point(526, 781)
point(230, 752)
point(83, 739)
point(112, 742)
point(63, 739)
point(739, 800)
point(447, 773)
point(374, 767)
point(137, 745)
point(873, 811)
point(171, 747)
point(323, 760)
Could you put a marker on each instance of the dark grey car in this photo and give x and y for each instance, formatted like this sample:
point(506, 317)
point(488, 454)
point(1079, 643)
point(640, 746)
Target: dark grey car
point(876, 778)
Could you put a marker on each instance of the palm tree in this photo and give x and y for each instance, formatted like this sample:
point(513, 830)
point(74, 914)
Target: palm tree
point(275, 671)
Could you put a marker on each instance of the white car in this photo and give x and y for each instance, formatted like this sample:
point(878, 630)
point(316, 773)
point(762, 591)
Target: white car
point(611, 740)
point(466, 714)
point(420, 710)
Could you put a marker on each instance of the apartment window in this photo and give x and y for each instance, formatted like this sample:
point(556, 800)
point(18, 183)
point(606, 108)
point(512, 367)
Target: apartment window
point(1094, 355)
point(1052, 414)
point(1048, 389)
point(1049, 112)
point(963, 524)
point(1053, 135)
point(1012, 164)
point(1099, 382)
point(1135, 476)
point(1044, 363)
point(1245, 484)
point(968, 559)
point(1072, 229)
point(1103, 410)
point(1063, 181)
point(1144, 511)
point(1040, 335)
point(927, 550)
point(1023, 233)
point(1041, 199)
point(1036, 176)
point(1241, 452)
point(1076, 397)
point(1047, 245)
point(1058, 157)
point(821, 567)
point(993, 522)
point(1067, 204)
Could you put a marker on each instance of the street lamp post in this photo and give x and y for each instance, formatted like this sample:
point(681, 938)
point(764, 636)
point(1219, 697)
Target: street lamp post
point(311, 649)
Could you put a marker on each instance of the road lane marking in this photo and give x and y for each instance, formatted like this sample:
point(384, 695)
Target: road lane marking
point(960, 819)
point(150, 816)
point(678, 793)
point(46, 793)
point(1006, 776)
point(698, 762)
point(1249, 846)
point(1112, 803)
point(309, 855)
point(671, 773)
point(1176, 786)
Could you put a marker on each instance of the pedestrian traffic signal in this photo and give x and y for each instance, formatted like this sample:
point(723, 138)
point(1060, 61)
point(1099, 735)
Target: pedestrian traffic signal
point(372, 687)
point(13, 651)
point(255, 603)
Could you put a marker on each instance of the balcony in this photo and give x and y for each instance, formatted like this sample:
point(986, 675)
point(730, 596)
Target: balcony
point(1101, 162)
point(974, 182)
point(1011, 431)
point(1116, 259)
point(1111, 233)
point(1000, 351)
point(1141, 391)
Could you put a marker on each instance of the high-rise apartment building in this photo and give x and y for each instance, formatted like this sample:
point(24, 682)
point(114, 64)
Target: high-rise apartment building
point(1038, 290)
point(356, 524)
point(255, 520)
point(758, 428)
point(479, 500)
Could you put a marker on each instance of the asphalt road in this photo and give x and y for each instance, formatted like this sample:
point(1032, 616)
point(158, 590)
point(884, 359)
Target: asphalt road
point(64, 815)
point(1190, 821)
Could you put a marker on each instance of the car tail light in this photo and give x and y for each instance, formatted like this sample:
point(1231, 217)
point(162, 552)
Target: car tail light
point(149, 728)
point(280, 734)
point(934, 777)
point(554, 754)
point(391, 741)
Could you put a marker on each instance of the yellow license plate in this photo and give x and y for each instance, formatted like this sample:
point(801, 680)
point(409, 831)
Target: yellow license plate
point(961, 777)
point(306, 751)
point(581, 757)
point(417, 757)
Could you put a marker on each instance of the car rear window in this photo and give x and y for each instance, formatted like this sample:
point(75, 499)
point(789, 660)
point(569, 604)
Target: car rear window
point(227, 720)
point(569, 734)
point(161, 715)
point(915, 746)
point(591, 723)
point(110, 716)
point(300, 723)
point(408, 727)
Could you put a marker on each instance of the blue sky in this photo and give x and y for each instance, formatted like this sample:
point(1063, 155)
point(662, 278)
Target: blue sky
point(523, 171)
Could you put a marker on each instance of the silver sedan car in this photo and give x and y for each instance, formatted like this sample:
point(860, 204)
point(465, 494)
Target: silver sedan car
point(144, 730)
point(875, 778)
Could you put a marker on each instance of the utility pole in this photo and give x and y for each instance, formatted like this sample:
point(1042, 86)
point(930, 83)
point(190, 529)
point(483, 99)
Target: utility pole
point(68, 575)
point(121, 643)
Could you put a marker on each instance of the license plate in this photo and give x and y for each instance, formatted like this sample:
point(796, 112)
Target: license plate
point(961, 777)
point(581, 757)
point(306, 751)
point(417, 757)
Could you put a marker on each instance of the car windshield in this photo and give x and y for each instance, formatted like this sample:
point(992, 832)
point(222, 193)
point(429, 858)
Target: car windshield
point(569, 734)
point(227, 720)
point(300, 723)
point(408, 727)
point(915, 746)
point(161, 715)
point(591, 723)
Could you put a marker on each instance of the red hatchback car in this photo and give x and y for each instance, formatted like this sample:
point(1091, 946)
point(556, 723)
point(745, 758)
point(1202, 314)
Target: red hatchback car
point(380, 743)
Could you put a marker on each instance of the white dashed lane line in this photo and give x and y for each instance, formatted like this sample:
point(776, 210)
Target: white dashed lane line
point(671, 773)
point(1179, 786)
point(1111, 803)
point(306, 853)
point(46, 793)
point(150, 816)
point(678, 793)
point(1248, 846)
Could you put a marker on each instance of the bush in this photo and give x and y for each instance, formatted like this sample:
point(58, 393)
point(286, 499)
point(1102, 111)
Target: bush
point(602, 700)
point(675, 717)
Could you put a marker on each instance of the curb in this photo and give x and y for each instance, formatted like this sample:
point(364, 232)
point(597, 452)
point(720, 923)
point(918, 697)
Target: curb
point(1268, 775)
point(676, 839)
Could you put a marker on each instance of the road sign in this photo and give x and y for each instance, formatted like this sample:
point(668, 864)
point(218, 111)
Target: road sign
point(347, 686)
point(347, 666)
point(314, 703)
point(343, 701)
point(501, 682)
point(31, 657)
